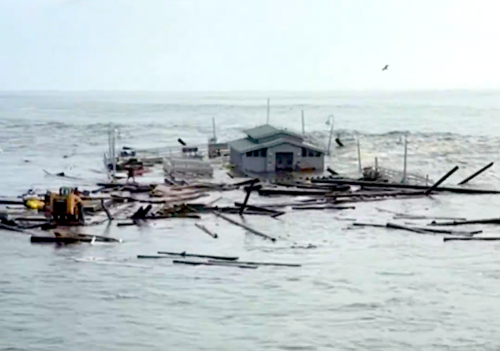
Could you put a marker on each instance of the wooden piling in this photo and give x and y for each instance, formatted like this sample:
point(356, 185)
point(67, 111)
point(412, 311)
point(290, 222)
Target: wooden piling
point(476, 174)
point(251, 230)
point(106, 210)
point(248, 191)
point(203, 228)
point(331, 171)
point(441, 180)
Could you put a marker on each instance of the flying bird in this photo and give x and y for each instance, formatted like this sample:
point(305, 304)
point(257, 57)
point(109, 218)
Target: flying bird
point(385, 68)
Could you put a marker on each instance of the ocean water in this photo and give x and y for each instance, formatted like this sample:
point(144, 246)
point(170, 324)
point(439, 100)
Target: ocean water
point(359, 289)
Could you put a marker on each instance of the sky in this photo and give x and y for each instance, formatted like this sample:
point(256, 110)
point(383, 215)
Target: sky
point(258, 45)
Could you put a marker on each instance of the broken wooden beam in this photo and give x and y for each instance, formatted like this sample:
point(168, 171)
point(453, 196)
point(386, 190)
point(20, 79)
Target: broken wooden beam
point(418, 230)
point(184, 254)
point(53, 239)
point(153, 257)
point(245, 182)
point(259, 208)
point(269, 192)
point(141, 212)
point(418, 217)
point(469, 178)
point(331, 171)
point(173, 215)
point(441, 180)
point(410, 216)
point(475, 221)
point(11, 201)
point(250, 229)
point(473, 239)
point(216, 264)
point(323, 208)
point(364, 183)
point(375, 225)
point(126, 224)
point(371, 194)
point(261, 263)
point(403, 227)
point(248, 192)
point(12, 228)
point(203, 228)
point(69, 239)
point(106, 210)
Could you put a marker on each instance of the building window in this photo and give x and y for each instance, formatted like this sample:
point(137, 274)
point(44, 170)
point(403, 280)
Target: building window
point(249, 154)
point(318, 154)
point(311, 153)
point(304, 152)
point(256, 153)
point(263, 153)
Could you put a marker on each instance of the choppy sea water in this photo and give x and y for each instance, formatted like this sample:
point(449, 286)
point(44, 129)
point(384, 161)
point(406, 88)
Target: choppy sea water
point(366, 288)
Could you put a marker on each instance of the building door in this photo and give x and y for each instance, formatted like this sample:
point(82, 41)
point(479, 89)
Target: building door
point(284, 161)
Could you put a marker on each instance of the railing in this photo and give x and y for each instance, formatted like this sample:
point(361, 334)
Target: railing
point(187, 166)
point(398, 176)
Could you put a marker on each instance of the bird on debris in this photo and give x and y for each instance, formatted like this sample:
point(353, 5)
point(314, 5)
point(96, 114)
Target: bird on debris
point(385, 68)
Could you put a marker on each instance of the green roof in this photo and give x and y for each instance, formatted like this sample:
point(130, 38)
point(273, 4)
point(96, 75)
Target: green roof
point(267, 130)
point(246, 145)
point(241, 145)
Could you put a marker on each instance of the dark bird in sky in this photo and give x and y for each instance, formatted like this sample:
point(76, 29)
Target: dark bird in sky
point(385, 68)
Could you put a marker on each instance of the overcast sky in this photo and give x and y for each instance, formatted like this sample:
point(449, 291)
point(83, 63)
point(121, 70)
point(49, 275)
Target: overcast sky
point(205, 45)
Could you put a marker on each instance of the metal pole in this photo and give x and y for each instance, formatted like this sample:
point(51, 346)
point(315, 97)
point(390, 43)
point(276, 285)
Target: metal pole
point(331, 135)
point(405, 160)
point(114, 152)
point(213, 126)
point(359, 158)
point(376, 164)
point(303, 124)
point(268, 108)
point(108, 155)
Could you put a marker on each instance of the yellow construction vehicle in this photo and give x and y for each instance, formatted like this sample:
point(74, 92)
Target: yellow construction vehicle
point(65, 207)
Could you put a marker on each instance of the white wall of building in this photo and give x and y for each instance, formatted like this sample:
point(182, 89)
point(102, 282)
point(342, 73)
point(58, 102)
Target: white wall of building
point(236, 158)
point(254, 163)
point(261, 164)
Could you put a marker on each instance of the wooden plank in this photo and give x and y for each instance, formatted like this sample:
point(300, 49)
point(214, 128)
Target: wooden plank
point(323, 208)
point(220, 264)
point(472, 239)
point(250, 229)
point(469, 178)
point(184, 254)
point(476, 221)
point(203, 228)
point(259, 208)
point(364, 183)
point(11, 201)
point(262, 263)
point(153, 257)
point(403, 227)
point(441, 180)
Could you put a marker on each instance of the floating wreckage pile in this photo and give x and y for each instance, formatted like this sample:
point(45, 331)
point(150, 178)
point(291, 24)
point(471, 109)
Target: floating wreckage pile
point(59, 217)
